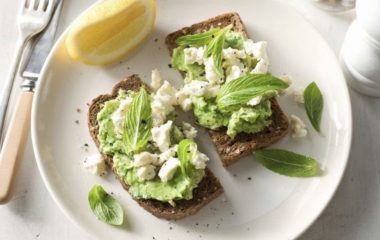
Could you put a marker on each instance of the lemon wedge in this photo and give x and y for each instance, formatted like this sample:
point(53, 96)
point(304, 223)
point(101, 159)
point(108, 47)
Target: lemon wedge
point(108, 31)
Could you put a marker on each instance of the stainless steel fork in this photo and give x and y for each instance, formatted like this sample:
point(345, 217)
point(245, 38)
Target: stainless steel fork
point(34, 18)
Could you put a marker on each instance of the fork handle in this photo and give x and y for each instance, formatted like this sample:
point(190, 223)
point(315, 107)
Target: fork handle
point(7, 90)
point(14, 143)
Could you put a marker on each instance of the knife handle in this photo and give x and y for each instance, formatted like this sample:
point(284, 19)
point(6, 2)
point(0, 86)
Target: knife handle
point(14, 143)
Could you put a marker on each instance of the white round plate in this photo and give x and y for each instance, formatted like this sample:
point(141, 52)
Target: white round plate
point(257, 204)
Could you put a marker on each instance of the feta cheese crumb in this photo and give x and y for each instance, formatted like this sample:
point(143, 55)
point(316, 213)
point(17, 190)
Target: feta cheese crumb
point(235, 72)
point(196, 88)
point(118, 116)
point(168, 169)
point(233, 56)
point(145, 158)
point(166, 155)
point(258, 49)
point(146, 172)
point(287, 79)
point(189, 131)
point(156, 80)
point(297, 95)
point(183, 100)
point(162, 103)
point(161, 135)
point(199, 160)
point(211, 75)
point(194, 55)
point(261, 67)
point(299, 129)
point(186, 104)
point(255, 101)
point(212, 90)
point(95, 164)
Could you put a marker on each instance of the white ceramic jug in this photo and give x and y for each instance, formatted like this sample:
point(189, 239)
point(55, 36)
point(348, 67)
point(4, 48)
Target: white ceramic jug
point(361, 48)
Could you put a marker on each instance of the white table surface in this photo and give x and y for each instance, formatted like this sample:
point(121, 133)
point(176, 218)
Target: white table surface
point(354, 212)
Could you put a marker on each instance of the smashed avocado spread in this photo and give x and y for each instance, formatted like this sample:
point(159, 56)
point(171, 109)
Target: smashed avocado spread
point(178, 188)
point(160, 170)
point(226, 80)
point(246, 119)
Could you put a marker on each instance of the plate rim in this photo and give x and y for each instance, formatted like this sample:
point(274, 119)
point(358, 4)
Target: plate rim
point(52, 192)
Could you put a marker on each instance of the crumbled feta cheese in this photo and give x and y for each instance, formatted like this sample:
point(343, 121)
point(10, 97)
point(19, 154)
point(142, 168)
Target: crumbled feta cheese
point(233, 56)
point(118, 116)
point(255, 101)
point(194, 55)
point(146, 172)
point(298, 95)
point(189, 131)
point(298, 127)
point(95, 164)
point(236, 72)
point(196, 88)
point(212, 90)
point(156, 80)
point(184, 100)
point(162, 103)
point(261, 67)
point(199, 160)
point(186, 104)
point(168, 169)
point(161, 135)
point(211, 75)
point(166, 155)
point(258, 49)
point(287, 79)
point(181, 95)
point(145, 158)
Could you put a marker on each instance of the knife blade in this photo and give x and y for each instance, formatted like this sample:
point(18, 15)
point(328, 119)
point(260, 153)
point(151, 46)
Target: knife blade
point(32, 67)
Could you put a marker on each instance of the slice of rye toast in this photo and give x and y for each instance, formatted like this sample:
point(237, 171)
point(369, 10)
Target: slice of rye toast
point(208, 189)
point(231, 150)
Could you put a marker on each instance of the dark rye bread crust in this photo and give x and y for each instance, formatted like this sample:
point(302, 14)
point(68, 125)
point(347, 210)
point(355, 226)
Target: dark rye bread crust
point(231, 150)
point(208, 189)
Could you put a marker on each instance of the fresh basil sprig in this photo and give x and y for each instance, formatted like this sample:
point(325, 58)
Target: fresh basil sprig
point(138, 122)
point(186, 151)
point(197, 40)
point(288, 163)
point(105, 207)
point(313, 105)
point(215, 49)
point(239, 91)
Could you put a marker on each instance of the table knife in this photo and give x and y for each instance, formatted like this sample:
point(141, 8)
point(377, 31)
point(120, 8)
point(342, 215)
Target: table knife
point(17, 133)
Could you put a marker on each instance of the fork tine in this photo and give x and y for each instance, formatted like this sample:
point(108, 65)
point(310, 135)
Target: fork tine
point(32, 3)
point(41, 5)
point(50, 5)
point(26, 3)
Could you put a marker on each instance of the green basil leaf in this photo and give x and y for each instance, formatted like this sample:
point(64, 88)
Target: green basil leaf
point(138, 122)
point(197, 40)
point(186, 151)
point(314, 105)
point(239, 91)
point(288, 163)
point(105, 207)
point(215, 49)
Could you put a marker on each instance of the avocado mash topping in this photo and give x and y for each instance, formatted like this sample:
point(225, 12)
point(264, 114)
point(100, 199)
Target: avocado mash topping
point(156, 158)
point(226, 80)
